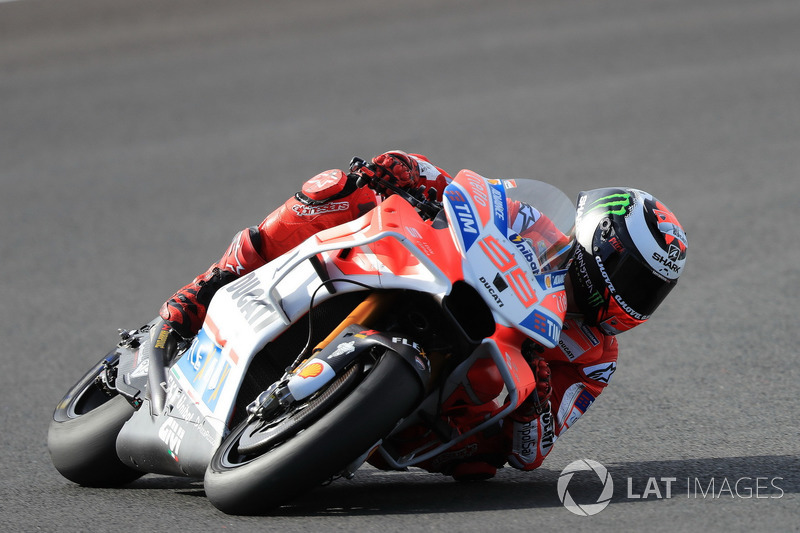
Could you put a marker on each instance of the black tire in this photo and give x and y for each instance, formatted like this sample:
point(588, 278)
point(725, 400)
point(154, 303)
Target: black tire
point(83, 434)
point(303, 460)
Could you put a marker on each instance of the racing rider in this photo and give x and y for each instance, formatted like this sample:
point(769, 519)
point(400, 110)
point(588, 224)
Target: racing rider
point(630, 252)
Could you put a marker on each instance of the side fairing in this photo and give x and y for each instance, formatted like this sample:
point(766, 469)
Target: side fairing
point(389, 248)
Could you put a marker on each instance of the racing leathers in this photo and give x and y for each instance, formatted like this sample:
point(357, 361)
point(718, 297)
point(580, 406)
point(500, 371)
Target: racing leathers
point(580, 366)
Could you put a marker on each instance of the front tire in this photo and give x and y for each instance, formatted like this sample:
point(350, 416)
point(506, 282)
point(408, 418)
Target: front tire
point(83, 433)
point(238, 484)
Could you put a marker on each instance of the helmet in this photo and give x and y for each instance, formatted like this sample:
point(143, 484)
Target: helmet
point(629, 253)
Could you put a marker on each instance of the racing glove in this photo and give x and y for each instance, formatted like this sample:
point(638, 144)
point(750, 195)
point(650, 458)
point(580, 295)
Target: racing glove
point(396, 167)
point(537, 401)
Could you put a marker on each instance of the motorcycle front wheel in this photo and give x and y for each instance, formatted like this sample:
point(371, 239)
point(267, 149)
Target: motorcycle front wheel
point(83, 433)
point(294, 461)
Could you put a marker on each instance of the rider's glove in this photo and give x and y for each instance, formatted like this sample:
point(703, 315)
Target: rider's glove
point(395, 167)
point(398, 168)
point(537, 401)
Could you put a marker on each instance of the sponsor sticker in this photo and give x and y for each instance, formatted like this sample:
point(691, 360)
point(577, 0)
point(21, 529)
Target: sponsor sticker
point(311, 370)
point(311, 210)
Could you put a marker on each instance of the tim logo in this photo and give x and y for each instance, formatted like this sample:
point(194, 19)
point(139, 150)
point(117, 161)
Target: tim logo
point(454, 195)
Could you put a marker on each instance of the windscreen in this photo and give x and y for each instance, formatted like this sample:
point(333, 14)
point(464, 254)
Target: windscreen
point(543, 215)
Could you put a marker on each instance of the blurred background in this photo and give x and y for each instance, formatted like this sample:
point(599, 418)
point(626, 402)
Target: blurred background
point(136, 138)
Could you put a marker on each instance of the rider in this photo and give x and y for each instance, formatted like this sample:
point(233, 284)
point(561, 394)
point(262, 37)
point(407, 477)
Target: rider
point(629, 254)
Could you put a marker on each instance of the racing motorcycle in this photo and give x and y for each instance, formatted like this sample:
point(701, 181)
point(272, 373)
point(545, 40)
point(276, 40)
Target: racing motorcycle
point(332, 354)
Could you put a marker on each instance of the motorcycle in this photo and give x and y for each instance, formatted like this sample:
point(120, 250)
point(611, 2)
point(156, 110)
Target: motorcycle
point(328, 356)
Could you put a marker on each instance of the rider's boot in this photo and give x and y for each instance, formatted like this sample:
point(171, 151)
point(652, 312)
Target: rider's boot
point(186, 309)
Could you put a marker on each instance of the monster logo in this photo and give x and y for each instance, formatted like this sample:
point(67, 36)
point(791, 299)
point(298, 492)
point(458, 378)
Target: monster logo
point(614, 204)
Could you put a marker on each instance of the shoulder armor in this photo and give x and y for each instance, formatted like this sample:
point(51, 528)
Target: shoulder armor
point(325, 185)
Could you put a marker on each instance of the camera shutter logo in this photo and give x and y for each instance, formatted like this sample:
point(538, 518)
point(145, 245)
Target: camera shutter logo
point(585, 509)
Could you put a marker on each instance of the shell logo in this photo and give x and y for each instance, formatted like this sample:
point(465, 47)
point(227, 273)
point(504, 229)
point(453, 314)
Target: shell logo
point(311, 370)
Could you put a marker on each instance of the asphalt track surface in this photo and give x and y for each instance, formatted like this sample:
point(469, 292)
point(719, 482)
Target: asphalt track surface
point(137, 137)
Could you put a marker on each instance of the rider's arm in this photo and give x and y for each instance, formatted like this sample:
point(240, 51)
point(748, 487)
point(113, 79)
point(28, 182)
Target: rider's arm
point(431, 175)
point(580, 366)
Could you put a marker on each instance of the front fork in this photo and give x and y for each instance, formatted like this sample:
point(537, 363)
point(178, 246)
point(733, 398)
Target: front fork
point(366, 314)
point(309, 373)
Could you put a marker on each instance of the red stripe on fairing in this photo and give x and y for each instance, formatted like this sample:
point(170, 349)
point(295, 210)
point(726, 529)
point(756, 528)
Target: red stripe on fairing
point(217, 338)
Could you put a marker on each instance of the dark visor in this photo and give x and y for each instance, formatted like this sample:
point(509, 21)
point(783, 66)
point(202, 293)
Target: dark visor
point(636, 284)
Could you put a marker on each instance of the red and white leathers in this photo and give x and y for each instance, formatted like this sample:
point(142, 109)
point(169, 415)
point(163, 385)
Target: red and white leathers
point(581, 366)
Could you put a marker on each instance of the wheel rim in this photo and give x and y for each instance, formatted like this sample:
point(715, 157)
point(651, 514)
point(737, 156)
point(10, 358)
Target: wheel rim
point(85, 396)
point(260, 436)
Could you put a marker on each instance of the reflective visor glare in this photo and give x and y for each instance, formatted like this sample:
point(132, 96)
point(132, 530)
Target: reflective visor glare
point(636, 284)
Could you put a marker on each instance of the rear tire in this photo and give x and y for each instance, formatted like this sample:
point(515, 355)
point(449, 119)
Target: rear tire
point(238, 484)
point(83, 433)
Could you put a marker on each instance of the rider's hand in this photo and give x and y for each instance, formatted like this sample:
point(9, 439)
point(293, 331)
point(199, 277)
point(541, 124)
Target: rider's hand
point(398, 168)
point(537, 401)
point(395, 167)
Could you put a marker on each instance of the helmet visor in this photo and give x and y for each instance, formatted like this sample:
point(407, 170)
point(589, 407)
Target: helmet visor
point(636, 287)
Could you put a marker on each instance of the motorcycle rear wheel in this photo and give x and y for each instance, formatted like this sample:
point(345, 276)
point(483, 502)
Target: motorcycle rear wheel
point(249, 484)
point(83, 433)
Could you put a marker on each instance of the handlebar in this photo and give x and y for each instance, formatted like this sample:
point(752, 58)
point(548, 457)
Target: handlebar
point(421, 198)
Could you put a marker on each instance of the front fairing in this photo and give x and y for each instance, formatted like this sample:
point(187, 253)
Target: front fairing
point(516, 240)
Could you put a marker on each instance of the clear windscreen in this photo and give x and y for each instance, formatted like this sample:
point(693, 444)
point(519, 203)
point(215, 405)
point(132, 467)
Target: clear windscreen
point(543, 215)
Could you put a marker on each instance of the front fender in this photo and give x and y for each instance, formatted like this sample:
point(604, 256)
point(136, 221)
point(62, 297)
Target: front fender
point(509, 343)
